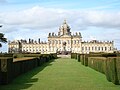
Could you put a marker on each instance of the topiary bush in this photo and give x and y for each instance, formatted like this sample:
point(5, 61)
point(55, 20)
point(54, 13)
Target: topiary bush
point(78, 57)
point(109, 55)
point(74, 55)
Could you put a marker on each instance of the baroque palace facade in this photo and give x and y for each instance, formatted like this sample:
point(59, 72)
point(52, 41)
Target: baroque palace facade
point(61, 42)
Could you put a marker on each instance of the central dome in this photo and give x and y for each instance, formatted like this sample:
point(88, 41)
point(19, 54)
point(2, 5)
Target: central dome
point(64, 29)
point(65, 25)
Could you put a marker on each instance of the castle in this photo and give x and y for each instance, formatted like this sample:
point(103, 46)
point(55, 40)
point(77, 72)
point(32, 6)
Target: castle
point(64, 41)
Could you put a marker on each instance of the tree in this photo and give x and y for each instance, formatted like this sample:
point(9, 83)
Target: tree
point(2, 38)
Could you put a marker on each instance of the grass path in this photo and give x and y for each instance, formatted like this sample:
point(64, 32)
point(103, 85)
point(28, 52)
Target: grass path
point(61, 74)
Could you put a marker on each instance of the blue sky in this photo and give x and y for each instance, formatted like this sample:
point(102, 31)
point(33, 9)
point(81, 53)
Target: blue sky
point(65, 4)
point(23, 19)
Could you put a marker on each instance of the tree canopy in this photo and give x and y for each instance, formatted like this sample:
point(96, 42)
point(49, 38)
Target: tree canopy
point(2, 39)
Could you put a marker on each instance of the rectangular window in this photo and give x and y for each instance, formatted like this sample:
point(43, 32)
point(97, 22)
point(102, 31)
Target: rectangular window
point(89, 48)
point(105, 48)
point(102, 48)
point(95, 48)
point(74, 41)
point(98, 48)
point(82, 48)
point(59, 42)
point(110, 48)
point(92, 48)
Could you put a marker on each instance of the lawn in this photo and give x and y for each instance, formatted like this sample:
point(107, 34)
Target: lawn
point(61, 74)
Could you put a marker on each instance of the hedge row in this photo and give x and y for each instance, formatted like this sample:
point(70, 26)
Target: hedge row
point(108, 64)
point(118, 68)
point(113, 70)
point(74, 55)
point(6, 72)
point(10, 68)
point(84, 57)
point(6, 55)
point(20, 55)
point(97, 63)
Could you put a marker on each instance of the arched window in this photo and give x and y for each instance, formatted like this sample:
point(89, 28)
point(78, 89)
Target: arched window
point(82, 48)
point(59, 42)
point(92, 48)
point(74, 41)
point(105, 48)
point(98, 48)
point(89, 48)
point(56, 42)
point(110, 48)
point(95, 48)
point(102, 48)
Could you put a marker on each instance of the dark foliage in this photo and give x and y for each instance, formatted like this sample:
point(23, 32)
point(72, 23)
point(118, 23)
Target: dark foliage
point(2, 39)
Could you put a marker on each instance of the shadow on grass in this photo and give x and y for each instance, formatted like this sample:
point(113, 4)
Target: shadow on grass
point(25, 81)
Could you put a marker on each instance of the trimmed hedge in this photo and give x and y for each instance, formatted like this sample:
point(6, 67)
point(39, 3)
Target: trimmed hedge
point(6, 70)
point(12, 69)
point(32, 55)
point(109, 66)
point(111, 70)
point(78, 57)
point(74, 55)
point(6, 55)
point(53, 55)
point(118, 54)
point(82, 59)
point(22, 66)
point(95, 55)
point(118, 68)
point(97, 63)
point(18, 55)
point(106, 63)
point(109, 55)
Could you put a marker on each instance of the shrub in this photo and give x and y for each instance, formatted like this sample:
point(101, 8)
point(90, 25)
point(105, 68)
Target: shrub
point(74, 55)
point(6, 55)
point(78, 57)
point(109, 55)
point(111, 70)
point(97, 63)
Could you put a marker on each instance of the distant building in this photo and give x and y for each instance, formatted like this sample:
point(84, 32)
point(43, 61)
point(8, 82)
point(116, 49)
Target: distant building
point(64, 41)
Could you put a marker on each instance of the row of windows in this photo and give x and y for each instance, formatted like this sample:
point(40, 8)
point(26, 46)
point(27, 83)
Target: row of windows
point(97, 48)
point(67, 41)
point(14, 46)
point(35, 50)
point(35, 47)
point(58, 47)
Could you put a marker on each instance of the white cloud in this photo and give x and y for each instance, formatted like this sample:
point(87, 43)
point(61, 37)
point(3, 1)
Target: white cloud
point(38, 17)
point(39, 21)
point(102, 19)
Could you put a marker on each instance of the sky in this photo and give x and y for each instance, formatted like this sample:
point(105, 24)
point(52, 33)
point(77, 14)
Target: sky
point(95, 19)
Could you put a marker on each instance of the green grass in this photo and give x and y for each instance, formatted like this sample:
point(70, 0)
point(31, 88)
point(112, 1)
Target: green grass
point(61, 74)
